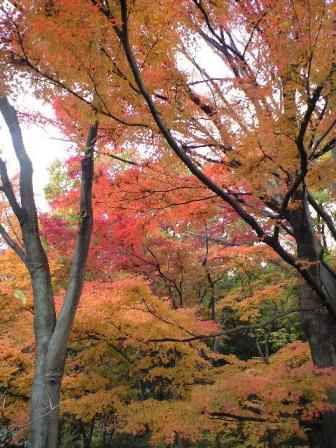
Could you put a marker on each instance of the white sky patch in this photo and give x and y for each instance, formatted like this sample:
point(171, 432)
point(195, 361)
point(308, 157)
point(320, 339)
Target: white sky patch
point(43, 143)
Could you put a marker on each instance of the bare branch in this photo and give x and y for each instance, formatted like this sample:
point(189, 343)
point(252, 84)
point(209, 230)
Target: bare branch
point(58, 342)
point(35, 257)
point(239, 327)
point(13, 244)
point(120, 159)
point(7, 188)
point(323, 136)
point(323, 214)
point(26, 169)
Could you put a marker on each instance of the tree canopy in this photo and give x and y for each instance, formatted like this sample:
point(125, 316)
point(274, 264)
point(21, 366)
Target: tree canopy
point(182, 286)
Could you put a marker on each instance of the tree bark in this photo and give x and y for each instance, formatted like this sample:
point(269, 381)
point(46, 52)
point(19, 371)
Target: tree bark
point(51, 334)
point(44, 410)
point(51, 349)
point(319, 328)
point(318, 324)
point(180, 442)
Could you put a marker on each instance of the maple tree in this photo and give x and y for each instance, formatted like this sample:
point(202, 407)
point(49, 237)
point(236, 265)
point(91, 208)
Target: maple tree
point(285, 198)
point(129, 218)
point(51, 333)
point(274, 101)
point(258, 139)
point(116, 381)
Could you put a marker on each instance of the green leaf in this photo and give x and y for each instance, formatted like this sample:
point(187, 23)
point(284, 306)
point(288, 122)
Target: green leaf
point(21, 295)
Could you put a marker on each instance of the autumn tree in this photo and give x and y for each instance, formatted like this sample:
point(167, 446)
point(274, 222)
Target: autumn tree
point(121, 376)
point(132, 357)
point(284, 199)
point(51, 332)
point(144, 212)
point(302, 122)
point(260, 135)
point(272, 102)
point(146, 220)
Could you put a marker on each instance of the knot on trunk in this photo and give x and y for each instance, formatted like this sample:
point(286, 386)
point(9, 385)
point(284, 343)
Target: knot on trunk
point(53, 378)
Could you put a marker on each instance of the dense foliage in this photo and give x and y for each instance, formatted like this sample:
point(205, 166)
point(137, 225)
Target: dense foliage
point(207, 316)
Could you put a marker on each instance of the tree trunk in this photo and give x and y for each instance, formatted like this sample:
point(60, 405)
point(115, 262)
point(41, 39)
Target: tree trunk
point(320, 330)
point(180, 442)
point(44, 410)
point(318, 324)
point(45, 393)
point(86, 435)
point(51, 334)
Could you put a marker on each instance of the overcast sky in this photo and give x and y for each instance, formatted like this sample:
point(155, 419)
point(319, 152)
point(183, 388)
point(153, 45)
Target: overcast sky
point(43, 144)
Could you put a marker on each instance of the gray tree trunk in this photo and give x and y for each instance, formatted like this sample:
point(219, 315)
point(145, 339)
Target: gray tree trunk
point(44, 411)
point(51, 334)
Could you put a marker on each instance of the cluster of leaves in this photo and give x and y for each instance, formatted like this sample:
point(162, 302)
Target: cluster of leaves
point(186, 331)
point(145, 356)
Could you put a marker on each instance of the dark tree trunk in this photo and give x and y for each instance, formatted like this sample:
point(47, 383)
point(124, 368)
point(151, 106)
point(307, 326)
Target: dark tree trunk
point(212, 303)
point(319, 328)
point(180, 442)
point(86, 433)
point(318, 324)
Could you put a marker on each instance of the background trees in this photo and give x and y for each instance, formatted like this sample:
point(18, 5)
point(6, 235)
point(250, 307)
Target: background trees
point(133, 358)
point(256, 132)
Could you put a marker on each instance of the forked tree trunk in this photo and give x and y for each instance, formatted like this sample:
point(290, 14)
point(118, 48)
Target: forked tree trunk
point(51, 334)
point(51, 347)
